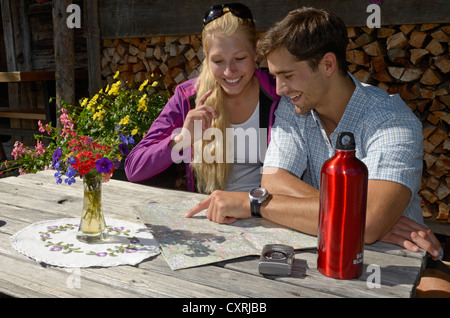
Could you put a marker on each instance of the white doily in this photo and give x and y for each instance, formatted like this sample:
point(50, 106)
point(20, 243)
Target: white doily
point(54, 242)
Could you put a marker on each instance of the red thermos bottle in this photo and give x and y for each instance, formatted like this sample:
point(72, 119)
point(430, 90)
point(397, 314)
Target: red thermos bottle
point(342, 215)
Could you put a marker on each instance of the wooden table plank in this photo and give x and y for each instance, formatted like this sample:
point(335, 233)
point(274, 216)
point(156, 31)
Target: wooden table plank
point(31, 198)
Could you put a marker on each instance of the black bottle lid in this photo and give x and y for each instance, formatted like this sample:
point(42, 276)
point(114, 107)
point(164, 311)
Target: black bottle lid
point(345, 141)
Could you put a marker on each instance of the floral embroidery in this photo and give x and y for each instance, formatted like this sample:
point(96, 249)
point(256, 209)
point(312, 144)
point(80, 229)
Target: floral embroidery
point(126, 248)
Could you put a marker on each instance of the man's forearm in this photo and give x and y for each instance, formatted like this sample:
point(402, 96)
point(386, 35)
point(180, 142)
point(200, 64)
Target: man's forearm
point(301, 214)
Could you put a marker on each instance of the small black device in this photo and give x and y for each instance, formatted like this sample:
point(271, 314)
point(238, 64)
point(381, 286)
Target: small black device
point(276, 259)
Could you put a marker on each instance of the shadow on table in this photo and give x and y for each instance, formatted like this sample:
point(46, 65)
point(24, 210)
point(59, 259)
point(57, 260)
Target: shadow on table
point(196, 243)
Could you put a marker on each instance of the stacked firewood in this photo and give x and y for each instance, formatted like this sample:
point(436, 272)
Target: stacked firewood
point(413, 61)
point(410, 60)
point(172, 59)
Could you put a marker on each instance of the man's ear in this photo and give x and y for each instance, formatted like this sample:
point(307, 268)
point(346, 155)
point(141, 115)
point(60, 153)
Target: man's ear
point(329, 63)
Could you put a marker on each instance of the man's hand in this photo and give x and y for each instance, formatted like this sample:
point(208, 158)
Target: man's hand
point(224, 207)
point(413, 236)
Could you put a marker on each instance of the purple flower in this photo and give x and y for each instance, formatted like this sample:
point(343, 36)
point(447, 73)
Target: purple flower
point(52, 227)
point(134, 241)
point(123, 147)
point(101, 254)
point(55, 249)
point(119, 228)
point(103, 165)
point(130, 250)
point(56, 155)
point(45, 235)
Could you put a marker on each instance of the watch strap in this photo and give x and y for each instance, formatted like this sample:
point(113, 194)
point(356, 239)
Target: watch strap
point(254, 207)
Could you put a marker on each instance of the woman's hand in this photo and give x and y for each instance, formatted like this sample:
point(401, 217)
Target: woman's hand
point(201, 112)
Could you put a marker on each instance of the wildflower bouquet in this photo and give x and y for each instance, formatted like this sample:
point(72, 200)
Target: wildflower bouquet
point(94, 137)
point(91, 142)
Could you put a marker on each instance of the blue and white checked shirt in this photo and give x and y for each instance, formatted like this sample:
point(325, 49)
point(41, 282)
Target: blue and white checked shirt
point(388, 139)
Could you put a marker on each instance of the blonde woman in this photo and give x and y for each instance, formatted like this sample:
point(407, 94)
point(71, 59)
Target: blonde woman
point(229, 95)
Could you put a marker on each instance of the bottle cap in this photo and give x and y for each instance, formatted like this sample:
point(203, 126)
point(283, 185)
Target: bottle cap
point(345, 141)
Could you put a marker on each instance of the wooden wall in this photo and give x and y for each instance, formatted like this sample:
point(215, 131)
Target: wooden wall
point(141, 18)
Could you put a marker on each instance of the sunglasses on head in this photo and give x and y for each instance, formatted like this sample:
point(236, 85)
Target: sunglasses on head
point(238, 9)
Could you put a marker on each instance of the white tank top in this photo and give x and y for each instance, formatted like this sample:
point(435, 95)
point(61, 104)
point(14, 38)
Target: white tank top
point(246, 173)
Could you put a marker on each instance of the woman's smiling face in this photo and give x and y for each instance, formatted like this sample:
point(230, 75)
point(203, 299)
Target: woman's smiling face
point(232, 61)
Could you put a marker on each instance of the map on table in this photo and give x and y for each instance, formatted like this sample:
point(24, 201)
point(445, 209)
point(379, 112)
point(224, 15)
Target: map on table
point(188, 242)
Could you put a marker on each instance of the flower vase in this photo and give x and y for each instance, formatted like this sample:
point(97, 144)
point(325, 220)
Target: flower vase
point(92, 225)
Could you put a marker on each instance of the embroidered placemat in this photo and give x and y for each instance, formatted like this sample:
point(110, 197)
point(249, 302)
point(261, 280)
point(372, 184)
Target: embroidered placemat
point(54, 242)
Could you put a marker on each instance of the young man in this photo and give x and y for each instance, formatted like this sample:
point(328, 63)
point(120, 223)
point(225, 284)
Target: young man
point(306, 53)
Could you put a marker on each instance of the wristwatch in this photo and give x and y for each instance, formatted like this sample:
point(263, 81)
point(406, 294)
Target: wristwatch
point(257, 196)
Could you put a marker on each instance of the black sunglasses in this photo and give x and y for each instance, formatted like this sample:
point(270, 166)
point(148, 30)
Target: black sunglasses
point(238, 9)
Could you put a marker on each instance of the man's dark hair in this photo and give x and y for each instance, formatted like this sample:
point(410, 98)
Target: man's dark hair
point(308, 34)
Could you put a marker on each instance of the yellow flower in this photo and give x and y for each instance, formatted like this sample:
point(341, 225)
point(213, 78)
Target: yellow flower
point(107, 88)
point(141, 104)
point(134, 131)
point(155, 83)
point(92, 102)
point(84, 101)
point(116, 75)
point(124, 120)
point(114, 88)
point(143, 85)
point(99, 115)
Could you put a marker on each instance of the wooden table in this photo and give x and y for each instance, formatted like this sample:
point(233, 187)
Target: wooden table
point(35, 197)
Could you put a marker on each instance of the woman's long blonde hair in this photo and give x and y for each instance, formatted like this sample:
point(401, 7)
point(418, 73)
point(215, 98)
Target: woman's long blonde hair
point(212, 176)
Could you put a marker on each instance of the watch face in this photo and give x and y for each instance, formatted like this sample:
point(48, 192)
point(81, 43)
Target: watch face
point(257, 193)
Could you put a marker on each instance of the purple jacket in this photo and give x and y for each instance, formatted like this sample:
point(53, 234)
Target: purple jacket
point(152, 155)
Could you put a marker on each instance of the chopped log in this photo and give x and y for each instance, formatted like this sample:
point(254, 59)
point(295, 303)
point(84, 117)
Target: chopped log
point(443, 211)
point(435, 48)
point(426, 211)
point(397, 41)
point(362, 76)
point(432, 183)
point(442, 163)
point(396, 72)
point(429, 160)
point(383, 76)
point(417, 39)
point(374, 49)
point(385, 32)
point(443, 63)
point(411, 74)
point(440, 36)
point(431, 77)
point(427, 129)
point(363, 39)
point(428, 26)
point(357, 57)
point(378, 63)
point(407, 28)
point(417, 55)
point(428, 195)
point(438, 136)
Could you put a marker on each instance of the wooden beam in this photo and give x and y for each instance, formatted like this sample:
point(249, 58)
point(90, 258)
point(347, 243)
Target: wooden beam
point(93, 40)
point(64, 54)
point(36, 76)
point(141, 18)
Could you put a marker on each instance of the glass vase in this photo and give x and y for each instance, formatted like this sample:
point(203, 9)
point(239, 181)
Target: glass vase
point(92, 225)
